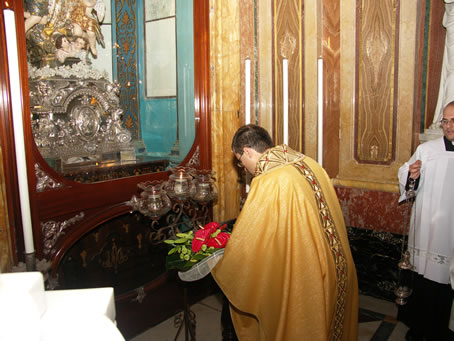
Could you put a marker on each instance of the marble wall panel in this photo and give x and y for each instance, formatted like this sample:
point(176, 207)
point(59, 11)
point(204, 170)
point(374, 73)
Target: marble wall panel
point(373, 210)
point(270, 30)
point(312, 41)
point(377, 39)
point(264, 75)
point(225, 103)
point(252, 30)
point(392, 119)
point(330, 52)
point(288, 43)
point(248, 52)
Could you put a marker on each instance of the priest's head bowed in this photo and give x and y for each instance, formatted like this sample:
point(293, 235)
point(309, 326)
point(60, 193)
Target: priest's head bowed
point(249, 142)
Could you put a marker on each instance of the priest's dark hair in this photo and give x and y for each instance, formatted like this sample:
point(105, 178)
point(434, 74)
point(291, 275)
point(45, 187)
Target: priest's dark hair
point(252, 136)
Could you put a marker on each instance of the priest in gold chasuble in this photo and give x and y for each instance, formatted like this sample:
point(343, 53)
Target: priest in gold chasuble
point(287, 269)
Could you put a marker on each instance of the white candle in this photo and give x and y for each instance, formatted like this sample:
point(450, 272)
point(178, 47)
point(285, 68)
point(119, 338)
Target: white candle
point(180, 186)
point(204, 189)
point(285, 95)
point(320, 111)
point(18, 128)
point(155, 202)
point(247, 90)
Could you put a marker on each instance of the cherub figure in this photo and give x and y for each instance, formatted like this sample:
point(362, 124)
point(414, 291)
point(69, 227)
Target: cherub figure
point(115, 131)
point(86, 17)
point(36, 12)
point(64, 50)
point(80, 49)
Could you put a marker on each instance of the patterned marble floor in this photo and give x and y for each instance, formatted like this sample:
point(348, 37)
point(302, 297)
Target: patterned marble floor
point(377, 322)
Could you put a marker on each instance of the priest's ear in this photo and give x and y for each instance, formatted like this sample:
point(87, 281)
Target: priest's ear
point(251, 154)
point(248, 151)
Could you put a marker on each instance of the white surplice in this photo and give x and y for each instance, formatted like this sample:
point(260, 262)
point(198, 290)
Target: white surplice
point(431, 236)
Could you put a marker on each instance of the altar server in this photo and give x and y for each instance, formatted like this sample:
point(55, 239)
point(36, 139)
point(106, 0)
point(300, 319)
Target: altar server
point(431, 237)
point(287, 269)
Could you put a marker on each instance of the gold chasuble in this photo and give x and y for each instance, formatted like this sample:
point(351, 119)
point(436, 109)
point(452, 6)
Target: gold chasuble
point(287, 269)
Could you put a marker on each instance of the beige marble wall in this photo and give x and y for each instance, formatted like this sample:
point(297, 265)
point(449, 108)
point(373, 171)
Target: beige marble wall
point(311, 54)
point(257, 41)
point(225, 102)
point(376, 176)
point(249, 29)
point(247, 52)
point(6, 259)
point(264, 56)
point(282, 29)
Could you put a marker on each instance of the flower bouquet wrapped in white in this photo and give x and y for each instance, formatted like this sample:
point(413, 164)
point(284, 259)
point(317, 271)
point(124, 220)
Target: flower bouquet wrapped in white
point(194, 254)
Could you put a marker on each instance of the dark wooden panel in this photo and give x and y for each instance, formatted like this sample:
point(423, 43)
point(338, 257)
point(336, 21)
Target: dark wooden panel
point(7, 132)
point(7, 140)
point(202, 82)
point(104, 200)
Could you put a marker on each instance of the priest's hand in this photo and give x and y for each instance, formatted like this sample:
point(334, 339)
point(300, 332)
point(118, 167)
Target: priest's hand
point(415, 169)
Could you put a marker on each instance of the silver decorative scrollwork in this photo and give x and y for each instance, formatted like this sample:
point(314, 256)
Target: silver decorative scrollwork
point(76, 120)
point(44, 181)
point(52, 230)
point(141, 294)
point(195, 160)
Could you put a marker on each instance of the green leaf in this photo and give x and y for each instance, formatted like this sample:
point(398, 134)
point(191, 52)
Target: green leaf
point(198, 256)
point(185, 235)
point(180, 240)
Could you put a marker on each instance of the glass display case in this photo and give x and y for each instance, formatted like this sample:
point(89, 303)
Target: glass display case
point(111, 85)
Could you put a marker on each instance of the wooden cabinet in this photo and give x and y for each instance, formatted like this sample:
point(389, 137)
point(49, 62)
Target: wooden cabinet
point(85, 230)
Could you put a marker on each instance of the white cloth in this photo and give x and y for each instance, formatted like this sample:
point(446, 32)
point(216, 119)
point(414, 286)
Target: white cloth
point(28, 312)
point(203, 268)
point(431, 237)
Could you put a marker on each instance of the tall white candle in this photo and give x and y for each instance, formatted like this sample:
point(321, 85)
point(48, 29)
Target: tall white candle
point(320, 111)
point(285, 96)
point(18, 128)
point(247, 90)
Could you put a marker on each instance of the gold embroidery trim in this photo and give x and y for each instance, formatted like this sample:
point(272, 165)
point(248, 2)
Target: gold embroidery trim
point(337, 251)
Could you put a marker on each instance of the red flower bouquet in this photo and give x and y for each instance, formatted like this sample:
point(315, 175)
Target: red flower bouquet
point(192, 247)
